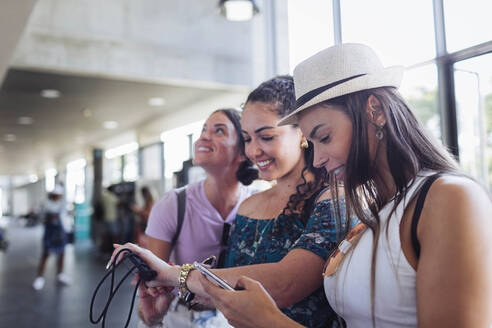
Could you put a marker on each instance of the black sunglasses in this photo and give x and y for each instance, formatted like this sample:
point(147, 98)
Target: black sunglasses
point(223, 244)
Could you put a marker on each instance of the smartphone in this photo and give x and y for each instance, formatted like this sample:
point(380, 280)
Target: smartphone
point(214, 278)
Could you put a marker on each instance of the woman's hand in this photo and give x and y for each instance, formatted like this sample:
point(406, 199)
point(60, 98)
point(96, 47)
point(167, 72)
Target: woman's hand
point(153, 304)
point(249, 306)
point(167, 275)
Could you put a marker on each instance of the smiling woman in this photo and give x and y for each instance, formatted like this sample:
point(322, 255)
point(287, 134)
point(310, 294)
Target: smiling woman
point(210, 206)
point(220, 141)
point(284, 225)
point(281, 236)
point(334, 136)
point(269, 146)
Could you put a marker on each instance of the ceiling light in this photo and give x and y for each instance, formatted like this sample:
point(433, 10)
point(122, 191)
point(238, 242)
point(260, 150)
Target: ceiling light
point(9, 137)
point(25, 120)
point(238, 10)
point(110, 125)
point(156, 101)
point(50, 93)
point(33, 178)
point(87, 112)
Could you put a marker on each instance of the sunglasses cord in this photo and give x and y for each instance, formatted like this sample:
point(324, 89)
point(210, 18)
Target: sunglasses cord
point(144, 271)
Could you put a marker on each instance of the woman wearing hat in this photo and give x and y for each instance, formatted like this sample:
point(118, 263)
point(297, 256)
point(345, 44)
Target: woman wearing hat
point(422, 255)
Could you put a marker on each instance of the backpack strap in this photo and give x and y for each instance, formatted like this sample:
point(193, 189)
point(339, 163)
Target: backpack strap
point(418, 210)
point(181, 193)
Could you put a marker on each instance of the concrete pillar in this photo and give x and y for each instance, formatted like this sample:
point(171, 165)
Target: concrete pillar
point(13, 18)
point(97, 161)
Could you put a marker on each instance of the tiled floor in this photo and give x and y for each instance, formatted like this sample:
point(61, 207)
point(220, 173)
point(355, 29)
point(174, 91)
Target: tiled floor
point(55, 306)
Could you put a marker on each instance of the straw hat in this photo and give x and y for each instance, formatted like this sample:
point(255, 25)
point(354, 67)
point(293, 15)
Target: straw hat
point(337, 71)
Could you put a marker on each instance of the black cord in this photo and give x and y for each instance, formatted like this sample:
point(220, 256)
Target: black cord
point(113, 290)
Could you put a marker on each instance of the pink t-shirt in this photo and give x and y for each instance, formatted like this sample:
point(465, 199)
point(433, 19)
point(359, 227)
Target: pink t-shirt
point(201, 232)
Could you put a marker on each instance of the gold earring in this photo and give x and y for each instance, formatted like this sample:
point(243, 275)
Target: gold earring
point(304, 144)
point(379, 132)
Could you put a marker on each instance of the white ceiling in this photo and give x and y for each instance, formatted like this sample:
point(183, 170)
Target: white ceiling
point(60, 126)
point(183, 51)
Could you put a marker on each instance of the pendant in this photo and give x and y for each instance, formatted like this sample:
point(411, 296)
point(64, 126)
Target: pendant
point(255, 244)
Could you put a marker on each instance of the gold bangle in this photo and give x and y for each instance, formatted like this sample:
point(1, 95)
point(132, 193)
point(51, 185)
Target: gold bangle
point(183, 275)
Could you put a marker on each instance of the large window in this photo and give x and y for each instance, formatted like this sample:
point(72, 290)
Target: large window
point(1, 203)
point(408, 33)
point(310, 28)
point(467, 23)
point(130, 166)
point(473, 88)
point(401, 32)
point(419, 88)
point(121, 164)
point(151, 162)
point(398, 39)
point(50, 178)
point(177, 146)
point(115, 166)
point(75, 192)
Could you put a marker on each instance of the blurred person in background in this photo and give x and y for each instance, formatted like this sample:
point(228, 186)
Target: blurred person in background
point(110, 213)
point(143, 214)
point(54, 237)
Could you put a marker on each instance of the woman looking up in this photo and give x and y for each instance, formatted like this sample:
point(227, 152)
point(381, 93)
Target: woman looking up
point(209, 207)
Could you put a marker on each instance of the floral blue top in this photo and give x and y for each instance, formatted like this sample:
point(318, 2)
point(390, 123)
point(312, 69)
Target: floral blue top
point(274, 238)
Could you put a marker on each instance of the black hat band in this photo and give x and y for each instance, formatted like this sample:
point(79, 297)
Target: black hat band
point(313, 93)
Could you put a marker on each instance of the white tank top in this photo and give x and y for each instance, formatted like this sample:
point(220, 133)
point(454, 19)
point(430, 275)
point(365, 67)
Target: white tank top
point(349, 290)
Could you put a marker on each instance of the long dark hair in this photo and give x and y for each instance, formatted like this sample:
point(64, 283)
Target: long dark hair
point(245, 173)
point(279, 91)
point(408, 148)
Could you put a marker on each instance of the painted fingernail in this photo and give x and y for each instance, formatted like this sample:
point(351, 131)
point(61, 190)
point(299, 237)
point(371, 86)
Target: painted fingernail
point(108, 265)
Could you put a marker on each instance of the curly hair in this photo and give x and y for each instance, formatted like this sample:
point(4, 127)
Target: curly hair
point(302, 201)
point(279, 91)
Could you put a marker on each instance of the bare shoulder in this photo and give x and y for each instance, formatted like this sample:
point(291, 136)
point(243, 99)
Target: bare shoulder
point(450, 192)
point(457, 201)
point(250, 204)
point(455, 262)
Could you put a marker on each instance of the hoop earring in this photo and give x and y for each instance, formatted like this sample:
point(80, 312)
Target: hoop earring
point(304, 144)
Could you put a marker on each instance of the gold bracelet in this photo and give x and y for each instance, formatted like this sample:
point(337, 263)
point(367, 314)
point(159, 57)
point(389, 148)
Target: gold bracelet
point(183, 275)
